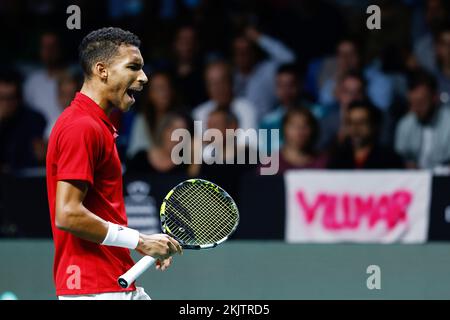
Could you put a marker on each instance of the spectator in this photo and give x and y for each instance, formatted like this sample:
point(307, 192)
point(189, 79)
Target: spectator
point(161, 99)
point(348, 59)
point(157, 159)
point(226, 171)
point(219, 85)
point(380, 85)
point(289, 94)
point(435, 16)
point(301, 131)
point(67, 86)
point(362, 150)
point(423, 134)
point(395, 30)
point(253, 78)
point(443, 64)
point(41, 86)
point(350, 87)
point(436, 59)
point(21, 129)
point(187, 67)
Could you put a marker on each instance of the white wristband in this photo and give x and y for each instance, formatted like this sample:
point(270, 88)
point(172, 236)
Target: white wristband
point(120, 236)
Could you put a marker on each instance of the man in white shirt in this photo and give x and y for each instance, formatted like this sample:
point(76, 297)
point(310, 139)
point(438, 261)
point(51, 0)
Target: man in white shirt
point(253, 79)
point(423, 134)
point(219, 86)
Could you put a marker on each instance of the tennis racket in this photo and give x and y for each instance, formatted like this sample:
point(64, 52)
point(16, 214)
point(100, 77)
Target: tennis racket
point(198, 214)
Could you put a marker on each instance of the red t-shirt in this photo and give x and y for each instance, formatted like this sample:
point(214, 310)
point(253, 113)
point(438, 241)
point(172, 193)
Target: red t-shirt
point(82, 147)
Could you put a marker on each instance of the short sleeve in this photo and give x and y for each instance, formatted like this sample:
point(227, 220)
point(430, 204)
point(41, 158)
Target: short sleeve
point(79, 151)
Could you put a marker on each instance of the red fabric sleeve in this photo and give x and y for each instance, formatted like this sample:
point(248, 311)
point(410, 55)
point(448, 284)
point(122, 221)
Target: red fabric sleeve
point(79, 147)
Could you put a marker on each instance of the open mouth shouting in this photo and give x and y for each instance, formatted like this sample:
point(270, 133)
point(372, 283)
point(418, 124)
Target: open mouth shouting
point(130, 92)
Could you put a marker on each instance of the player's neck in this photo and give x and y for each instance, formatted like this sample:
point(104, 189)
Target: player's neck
point(97, 96)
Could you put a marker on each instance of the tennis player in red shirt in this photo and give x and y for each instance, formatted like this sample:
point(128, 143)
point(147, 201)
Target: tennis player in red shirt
point(84, 177)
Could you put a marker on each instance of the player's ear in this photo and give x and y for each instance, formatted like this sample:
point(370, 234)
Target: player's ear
point(101, 71)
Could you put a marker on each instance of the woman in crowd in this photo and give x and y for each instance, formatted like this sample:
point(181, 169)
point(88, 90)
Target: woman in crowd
point(158, 158)
point(300, 130)
point(161, 99)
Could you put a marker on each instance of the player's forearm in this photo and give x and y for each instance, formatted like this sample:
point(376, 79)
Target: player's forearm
point(82, 223)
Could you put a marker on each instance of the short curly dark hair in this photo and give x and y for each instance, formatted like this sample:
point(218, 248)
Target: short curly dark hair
point(102, 44)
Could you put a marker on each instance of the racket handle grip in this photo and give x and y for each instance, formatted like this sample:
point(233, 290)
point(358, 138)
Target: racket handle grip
point(135, 271)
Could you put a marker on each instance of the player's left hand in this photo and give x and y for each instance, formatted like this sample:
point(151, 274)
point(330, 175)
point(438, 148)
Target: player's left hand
point(163, 264)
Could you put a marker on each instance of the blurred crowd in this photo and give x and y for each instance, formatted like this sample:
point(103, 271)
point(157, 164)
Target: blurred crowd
point(342, 96)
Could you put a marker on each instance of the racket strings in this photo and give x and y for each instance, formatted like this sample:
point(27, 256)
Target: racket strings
point(177, 225)
point(222, 219)
point(206, 209)
point(213, 215)
point(211, 206)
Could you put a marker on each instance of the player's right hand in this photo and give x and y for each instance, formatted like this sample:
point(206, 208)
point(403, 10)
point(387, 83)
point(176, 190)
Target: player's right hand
point(159, 246)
